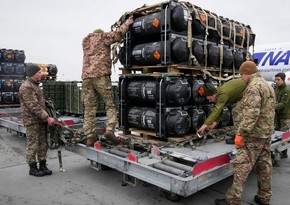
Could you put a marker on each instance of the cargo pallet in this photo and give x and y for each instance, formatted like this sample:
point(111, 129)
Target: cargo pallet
point(177, 171)
point(179, 69)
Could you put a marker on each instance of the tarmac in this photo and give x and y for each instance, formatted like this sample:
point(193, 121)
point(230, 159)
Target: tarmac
point(82, 185)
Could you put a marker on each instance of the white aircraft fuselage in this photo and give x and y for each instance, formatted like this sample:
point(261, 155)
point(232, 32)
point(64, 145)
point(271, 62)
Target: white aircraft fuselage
point(272, 59)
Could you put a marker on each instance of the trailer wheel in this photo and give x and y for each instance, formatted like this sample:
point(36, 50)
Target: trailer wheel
point(171, 196)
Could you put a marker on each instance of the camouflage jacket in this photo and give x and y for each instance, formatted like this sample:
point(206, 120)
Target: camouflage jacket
point(258, 109)
point(229, 93)
point(283, 102)
point(97, 52)
point(32, 103)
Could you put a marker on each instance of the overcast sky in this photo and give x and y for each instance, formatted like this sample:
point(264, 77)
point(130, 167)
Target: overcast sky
point(51, 31)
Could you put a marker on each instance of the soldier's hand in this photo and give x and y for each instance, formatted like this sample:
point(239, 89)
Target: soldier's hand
point(239, 141)
point(213, 125)
point(50, 121)
point(129, 21)
point(201, 131)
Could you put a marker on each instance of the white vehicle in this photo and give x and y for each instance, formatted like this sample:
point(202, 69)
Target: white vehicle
point(272, 59)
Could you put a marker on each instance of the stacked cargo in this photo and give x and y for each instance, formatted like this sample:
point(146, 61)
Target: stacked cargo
point(179, 46)
point(12, 74)
point(67, 97)
point(182, 33)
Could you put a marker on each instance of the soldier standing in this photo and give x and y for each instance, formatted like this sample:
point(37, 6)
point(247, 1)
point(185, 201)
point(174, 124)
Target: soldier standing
point(253, 138)
point(282, 107)
point(35, 119)
point(96, 76)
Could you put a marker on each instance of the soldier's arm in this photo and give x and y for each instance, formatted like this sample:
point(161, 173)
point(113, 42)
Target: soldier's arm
point(217, 112)
point(30, 100)
point(116, 36)
point(284, 100)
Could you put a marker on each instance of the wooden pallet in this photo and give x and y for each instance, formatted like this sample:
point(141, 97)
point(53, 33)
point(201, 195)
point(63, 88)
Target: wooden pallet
point(9, 105)
point(146, 136)
point(173, 69)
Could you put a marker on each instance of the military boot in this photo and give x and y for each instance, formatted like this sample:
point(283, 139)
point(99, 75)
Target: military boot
point(90, 142)
point(43, 168)
point(109, 135)
point(258, 201)
point(221, 202)
point(34, 171)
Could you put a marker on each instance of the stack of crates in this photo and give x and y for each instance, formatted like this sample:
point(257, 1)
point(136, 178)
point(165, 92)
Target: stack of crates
point(67, 97)
point(12, 75)
point(55, 91)
point(73, 97)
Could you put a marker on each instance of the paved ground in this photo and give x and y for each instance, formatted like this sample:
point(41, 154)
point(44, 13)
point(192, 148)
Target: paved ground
point(82, 185)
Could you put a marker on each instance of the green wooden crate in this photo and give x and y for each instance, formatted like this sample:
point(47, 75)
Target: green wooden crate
point(54, 90)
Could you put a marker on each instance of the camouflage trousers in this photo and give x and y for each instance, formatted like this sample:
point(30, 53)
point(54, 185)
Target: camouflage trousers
point(37, 144)
point(256, 152)
point(91, 88)
point(283, 125)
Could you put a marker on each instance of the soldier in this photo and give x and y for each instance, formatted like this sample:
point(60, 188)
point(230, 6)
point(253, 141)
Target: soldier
point(282, 107)
point(253, 138)
point(35, 119)
point(96, 76)
point(230, 92)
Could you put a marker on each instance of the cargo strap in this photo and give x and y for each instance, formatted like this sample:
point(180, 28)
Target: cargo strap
point(218, 135)
point(205, 38)
point(191, 58)
point(197, 142)
point(221, 49)
point(248, 43)
point(234, 48)
point(114, 53)
point(206, 72)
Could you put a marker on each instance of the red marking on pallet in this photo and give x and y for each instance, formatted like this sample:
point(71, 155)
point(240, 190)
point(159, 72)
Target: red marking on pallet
point(285, 135)
point(97, 145)
point(210, 163)
point(66, 122)
point(132, 157)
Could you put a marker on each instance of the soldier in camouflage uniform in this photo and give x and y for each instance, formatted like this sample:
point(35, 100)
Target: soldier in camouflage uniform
point(230, 92)
point(253, 138)
point(35, 119)
point(282, 107)
point(96, 76)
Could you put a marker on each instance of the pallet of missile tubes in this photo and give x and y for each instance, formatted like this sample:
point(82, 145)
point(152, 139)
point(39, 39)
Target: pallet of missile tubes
point(184, 37)
point(172, 49)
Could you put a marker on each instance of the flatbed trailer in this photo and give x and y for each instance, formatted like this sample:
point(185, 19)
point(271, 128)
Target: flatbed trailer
point(179, 171)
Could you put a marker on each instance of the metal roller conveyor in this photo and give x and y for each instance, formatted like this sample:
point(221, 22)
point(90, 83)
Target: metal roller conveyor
point(169, 169)
point(177, 165)
point(118, 152)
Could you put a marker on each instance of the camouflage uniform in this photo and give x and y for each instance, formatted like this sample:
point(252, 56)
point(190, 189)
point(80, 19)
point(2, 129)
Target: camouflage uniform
point(34, 118)
point(257, 127)
point(283, 108)
point(282, 117)
point(230, 92)
point(96, 77)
